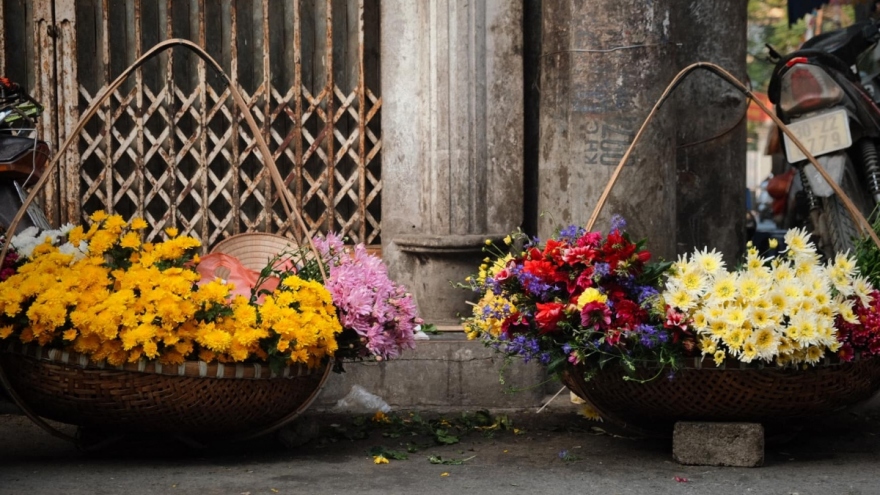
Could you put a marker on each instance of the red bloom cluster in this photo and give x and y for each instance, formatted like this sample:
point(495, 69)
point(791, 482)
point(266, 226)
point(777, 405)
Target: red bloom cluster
point(555, 276)
point(864, 336)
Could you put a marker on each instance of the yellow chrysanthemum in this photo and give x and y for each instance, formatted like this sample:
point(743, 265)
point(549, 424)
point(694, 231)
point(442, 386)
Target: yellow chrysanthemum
point(591, 295)
point(719, 357)
point(138, 224)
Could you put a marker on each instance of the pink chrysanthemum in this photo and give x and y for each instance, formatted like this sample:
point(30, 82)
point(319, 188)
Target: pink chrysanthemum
point(368, 302)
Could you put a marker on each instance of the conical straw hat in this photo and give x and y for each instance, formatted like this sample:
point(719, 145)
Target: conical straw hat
point(255, 249)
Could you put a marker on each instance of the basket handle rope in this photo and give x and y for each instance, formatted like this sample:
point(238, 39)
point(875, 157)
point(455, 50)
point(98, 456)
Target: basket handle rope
point(284, 195)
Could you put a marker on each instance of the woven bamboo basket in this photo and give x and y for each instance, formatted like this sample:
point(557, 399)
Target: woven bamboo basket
point(195, 399)
point(732, 392)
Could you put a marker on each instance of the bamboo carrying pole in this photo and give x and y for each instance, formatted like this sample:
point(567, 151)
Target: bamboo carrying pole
point(285, 196)
point(857, 216)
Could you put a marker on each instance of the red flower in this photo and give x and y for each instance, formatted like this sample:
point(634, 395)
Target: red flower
point(628, 314)
point(675, 319)
point(580, 254)
point(595, 314)
point(514, 323)
point(590, 239)
point(585, 279)
point(554, 250)
point(544, 270)
point(548, 316)
point(846, 353)
point(612, 337)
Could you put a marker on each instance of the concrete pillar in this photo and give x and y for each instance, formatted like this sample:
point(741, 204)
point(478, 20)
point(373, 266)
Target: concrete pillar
point(452, 141)
point(711, 127)
point(603, 66)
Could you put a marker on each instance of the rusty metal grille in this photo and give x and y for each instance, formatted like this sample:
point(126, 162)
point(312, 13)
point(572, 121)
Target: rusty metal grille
point(170, 145)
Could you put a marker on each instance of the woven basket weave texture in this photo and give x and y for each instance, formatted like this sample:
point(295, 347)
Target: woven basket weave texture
point(767, 395)
point(130, 401)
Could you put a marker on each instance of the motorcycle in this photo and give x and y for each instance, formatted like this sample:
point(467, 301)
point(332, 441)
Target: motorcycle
point(819, 95)
point(22, 156)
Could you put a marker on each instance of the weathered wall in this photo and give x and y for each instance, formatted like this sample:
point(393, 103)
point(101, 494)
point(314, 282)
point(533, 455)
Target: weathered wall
point(452, 156)
point(711, 128)
point(602, 68)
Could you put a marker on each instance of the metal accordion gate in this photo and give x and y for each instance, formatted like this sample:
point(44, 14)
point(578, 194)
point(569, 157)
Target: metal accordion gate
point(171, 147)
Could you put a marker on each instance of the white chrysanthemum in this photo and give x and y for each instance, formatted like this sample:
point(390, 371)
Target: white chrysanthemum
point(78, 252)
point(749, 352)
point(782, 272)
point(862, 289)
point(715, 312)
point(751, 288)
point(845, 262)
point(814, 354)
point(798, 242)
point(680, 265)
point(735, 316)
point(845, 310)
point(802, 329)
point(761, 319)
point(693, 281)
point(709, 262)
point(723, 288)
point(755, 264)
point(718, 330)
point(766, 342)
point(778, 301)
point(700, 322)
point(841, 280)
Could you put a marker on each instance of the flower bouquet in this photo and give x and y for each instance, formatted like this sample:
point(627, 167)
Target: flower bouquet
point(651, 343)
point(102, 299)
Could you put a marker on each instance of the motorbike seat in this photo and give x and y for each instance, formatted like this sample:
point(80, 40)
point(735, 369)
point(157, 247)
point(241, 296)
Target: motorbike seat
point(22, 157)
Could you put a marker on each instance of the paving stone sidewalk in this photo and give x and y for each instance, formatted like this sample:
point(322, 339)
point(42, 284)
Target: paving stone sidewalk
point(555, 451)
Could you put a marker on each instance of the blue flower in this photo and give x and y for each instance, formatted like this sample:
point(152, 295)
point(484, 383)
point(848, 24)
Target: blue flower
point(571, 233)
point(617, 223)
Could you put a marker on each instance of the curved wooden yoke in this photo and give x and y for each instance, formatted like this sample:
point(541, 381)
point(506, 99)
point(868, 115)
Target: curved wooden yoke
point(857, 216)
point(285, 196)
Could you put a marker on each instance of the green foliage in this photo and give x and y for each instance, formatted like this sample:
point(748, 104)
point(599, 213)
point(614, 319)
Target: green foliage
point(868, 255)
point(768, 24)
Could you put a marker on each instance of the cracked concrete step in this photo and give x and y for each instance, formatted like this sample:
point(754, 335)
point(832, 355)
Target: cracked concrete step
point(448, 371)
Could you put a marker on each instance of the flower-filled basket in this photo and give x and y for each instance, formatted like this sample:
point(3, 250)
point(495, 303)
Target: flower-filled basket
point(645, 344)
point(648, 344)
point(102, 329)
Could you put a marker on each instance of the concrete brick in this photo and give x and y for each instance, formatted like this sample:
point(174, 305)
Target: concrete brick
point(718, 444)
point(447, 371)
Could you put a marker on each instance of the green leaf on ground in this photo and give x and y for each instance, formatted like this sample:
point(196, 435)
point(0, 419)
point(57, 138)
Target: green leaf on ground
point(388, 453)
point(436, 459)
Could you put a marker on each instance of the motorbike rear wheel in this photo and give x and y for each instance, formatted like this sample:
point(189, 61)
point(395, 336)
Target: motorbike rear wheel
point(840, 228)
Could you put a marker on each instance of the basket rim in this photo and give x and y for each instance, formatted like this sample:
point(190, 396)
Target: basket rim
point(708, 363)
point(193, 369)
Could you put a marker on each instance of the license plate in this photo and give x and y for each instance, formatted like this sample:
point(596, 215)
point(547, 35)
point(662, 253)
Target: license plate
point(820, 135)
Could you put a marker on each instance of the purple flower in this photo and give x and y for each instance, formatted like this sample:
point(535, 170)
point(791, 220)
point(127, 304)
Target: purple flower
point(601, 270)
point(617, 223)
point(571, 233)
